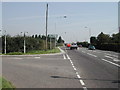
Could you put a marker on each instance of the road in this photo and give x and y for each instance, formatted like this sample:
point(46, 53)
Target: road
point(80, 68)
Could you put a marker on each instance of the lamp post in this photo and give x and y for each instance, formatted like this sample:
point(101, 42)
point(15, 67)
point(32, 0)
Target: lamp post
point(89, 32)
point(56, 27)
point(46, 25)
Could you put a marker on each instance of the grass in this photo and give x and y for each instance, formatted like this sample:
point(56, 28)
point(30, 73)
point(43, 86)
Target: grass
point(56, 50)
point(4, 84)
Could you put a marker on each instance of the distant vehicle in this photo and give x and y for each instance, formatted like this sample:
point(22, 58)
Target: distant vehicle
point(91, 47)
point(79, 45)
point(68, 45)
point(73, 46)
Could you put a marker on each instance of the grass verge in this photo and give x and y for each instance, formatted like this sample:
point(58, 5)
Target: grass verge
point(56, 50)
point(4, 84)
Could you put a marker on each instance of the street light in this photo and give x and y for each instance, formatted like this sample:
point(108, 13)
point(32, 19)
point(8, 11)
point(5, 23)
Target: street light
point(89, 32)
point(55, 27)
point(24, 42)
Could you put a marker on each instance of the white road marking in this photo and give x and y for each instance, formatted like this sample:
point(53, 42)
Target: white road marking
point(64, 56)
point(81, 81)
point(74, 68)
point(17, 58)
point(111, 62)
point(111, 55)
point(114, 59)
point(92, 55)
point(78, 76)
point(83, 51)
point(68, 56)
point(36, 57)
point(85, 88)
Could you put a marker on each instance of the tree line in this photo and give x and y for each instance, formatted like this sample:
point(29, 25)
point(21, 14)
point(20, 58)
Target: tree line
point(104, 42)
point(34, 42)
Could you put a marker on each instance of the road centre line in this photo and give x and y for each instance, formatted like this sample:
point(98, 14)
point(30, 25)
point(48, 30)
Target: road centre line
point(92, 55)
point(81, 81)
point(67, 56)
point(111, 62)
point(85, 88)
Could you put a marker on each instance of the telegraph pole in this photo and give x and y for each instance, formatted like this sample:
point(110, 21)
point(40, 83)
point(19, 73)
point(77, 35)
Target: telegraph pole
point(46, 25)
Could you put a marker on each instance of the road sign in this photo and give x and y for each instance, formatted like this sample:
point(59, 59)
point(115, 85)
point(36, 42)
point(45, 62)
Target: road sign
point(53, 35)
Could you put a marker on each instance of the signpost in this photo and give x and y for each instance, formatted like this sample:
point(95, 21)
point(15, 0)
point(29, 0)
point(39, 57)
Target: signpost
point(52, 36)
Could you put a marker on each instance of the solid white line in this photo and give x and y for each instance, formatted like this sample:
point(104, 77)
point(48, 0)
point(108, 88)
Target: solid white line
point(92, 55)
point(111, 62)
point(81, 81)
point(68, 56)
point(64, 56)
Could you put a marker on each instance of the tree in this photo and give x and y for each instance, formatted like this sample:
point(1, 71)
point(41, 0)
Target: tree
point(93, 40)
point(103, 38)
point(60, 40)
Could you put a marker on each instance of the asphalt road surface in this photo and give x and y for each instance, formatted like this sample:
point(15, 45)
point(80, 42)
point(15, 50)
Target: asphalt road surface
point(80, 68)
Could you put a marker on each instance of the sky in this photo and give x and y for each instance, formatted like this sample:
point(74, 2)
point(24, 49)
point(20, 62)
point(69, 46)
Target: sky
point(29, 17)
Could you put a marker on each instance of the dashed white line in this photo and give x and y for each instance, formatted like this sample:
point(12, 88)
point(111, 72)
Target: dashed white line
point(67, 56)
point(111, 62)
point(78, 76)
point(64, 56)
point(81, 81)
point(37, 57)
point(91, 54)
point(85, 88)
point(75, 69)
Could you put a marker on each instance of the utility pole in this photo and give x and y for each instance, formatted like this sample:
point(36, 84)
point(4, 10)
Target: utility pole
point(46, 25)
point(24, 42)
point(5, 41)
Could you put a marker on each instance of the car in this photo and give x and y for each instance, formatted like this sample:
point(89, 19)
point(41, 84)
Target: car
point(79, 45)
point(73, 46)
point(91, 47)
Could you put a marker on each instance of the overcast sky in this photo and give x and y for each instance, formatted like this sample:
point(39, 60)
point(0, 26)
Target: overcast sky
point(30, 16)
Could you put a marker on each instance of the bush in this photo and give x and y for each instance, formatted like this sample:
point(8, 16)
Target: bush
point(111, 47)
